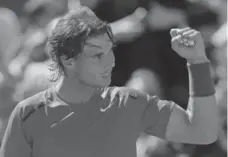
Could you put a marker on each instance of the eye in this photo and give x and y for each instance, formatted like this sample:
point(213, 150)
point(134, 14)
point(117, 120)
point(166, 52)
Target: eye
point(113, 47)
point(98, 56)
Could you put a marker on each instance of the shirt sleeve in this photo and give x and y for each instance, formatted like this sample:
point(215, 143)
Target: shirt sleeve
point(156, 116)
point(15, 142)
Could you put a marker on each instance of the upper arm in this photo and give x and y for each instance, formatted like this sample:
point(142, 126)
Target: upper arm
point(178, 125)
point(169, 121)
point(156, 116)
point(15, 142)
point(184, 127)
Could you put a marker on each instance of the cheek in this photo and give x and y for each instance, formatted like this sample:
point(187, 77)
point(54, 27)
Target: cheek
point(109, 61)
point(91, 72)
point(93, 76)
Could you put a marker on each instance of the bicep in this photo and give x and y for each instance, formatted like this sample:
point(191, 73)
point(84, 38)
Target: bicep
point(156, 117)
point(178, 125)
point(14, 143)
point(186, 126)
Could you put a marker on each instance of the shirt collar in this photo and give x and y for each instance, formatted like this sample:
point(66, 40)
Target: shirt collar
point(53, 98)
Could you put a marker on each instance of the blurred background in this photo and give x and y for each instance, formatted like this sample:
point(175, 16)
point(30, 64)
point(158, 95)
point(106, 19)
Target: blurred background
point(144, 58)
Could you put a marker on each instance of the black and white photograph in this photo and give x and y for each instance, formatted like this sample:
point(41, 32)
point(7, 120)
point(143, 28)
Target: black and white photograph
point(113, 78)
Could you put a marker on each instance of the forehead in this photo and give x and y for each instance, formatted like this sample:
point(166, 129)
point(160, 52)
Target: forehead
point(102, 41)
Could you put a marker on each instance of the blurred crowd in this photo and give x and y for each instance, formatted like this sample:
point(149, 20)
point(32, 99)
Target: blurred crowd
point(144, 58)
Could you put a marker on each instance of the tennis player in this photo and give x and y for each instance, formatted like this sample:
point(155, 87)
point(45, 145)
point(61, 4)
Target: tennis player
point(81, 116)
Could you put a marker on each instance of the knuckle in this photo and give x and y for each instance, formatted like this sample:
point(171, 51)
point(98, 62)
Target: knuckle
point(197, 32)
point(174, 40)
point(197, 35)
point(173, 29)
point(186, 33)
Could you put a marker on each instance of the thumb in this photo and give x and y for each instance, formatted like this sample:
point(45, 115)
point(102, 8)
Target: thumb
point(173, 32)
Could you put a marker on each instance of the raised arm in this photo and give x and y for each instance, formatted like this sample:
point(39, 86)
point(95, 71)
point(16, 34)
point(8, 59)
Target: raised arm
point(130, 27)
point(199, 124)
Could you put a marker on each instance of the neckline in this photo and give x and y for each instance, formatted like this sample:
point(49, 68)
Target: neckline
point(57, 101)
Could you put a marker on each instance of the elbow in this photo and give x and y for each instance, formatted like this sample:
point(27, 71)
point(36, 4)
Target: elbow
point(209, 140)
point(205, 135)
point(210, 134)
point(213, 139)
point(209, 137)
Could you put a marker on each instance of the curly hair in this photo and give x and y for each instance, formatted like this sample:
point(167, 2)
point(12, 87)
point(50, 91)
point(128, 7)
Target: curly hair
point(69, 35)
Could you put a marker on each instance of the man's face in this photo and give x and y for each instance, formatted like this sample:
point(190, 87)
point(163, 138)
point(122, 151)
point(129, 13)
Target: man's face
point(94, 65)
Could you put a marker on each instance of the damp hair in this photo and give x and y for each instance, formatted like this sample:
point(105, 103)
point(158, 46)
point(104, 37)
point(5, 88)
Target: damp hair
point(69, 35)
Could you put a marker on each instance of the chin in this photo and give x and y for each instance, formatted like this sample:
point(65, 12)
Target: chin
point(101, 84)
point(104, 82)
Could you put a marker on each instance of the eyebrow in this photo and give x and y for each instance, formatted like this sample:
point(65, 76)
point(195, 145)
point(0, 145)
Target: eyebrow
point(97, 46)
point(93, 45)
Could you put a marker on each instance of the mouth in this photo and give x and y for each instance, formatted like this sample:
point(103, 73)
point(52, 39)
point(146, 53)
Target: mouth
point(107, 74)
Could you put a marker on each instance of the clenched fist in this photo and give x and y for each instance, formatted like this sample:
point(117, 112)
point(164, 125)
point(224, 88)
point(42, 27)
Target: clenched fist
point(189, 44)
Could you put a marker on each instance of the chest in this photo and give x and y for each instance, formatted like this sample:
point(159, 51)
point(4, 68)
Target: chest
point(89, 134)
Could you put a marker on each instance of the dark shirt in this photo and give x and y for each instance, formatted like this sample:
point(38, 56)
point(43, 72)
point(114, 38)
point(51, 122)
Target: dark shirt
point(45, 126)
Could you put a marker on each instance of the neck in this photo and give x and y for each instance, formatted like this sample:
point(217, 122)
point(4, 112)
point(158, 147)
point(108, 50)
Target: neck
point(73, 91)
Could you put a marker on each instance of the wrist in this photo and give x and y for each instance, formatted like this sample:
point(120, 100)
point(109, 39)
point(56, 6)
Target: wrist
point(115, 29)
point(200, 80)
point(198, 60)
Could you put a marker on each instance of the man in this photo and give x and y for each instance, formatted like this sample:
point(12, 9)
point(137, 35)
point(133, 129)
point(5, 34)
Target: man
point(82, 116)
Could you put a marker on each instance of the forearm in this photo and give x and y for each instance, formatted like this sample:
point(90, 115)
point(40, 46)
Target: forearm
point(200, 123)
point(116, 30)
point(202, 107)
point(130, 27)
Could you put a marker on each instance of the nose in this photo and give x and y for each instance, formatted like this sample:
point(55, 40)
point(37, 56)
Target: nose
point(110, 61)
point(113, 62)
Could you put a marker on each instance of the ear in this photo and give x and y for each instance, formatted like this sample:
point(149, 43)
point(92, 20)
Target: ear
point(68, 63)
